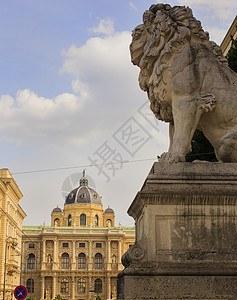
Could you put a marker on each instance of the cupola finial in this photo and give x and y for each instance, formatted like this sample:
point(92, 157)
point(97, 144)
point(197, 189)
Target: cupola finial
point(83, 180)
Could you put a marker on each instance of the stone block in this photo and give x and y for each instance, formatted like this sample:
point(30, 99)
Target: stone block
point(186, 233)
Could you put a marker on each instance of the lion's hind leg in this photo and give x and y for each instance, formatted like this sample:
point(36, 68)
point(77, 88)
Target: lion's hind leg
point(228, 146)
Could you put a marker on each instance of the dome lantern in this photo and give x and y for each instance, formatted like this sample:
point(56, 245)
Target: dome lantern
point(83, 180)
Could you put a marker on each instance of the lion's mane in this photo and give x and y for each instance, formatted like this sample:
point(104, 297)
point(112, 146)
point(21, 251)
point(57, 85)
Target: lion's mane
point(181, 27)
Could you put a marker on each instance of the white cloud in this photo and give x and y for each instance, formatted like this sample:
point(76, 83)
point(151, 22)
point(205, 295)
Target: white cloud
point(223, 10)
point(106, 93)
point(29, 117)
point(98, 57)
point(80, 88)
point(216, 34)
point(103, 66)
point(106, 26)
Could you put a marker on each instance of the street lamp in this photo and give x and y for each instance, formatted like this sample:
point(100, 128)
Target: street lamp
point(5, 266)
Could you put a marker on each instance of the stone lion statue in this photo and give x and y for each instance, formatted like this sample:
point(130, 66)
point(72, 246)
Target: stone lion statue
point(187, 80)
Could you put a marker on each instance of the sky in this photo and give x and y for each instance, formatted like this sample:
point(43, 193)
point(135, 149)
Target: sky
point(70, 100)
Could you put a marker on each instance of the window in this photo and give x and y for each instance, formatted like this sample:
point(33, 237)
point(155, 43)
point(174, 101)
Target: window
point(81, 261)
point(69, 220)
point(31, 245)
point(83, 181)
point(65, 261)
point(108, 223)
point(96, 221)
point(83, 196)
point(98, 261)
point(31, 261)
point(81, 286)
point(98, 286)
point(82, 219)
point(65, 245)
point(64, 285)
point(82, 245)
point(30, 285)
point(56, 222)
point(98, 245)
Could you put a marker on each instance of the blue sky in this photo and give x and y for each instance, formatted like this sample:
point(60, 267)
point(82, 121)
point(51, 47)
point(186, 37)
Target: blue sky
point(67, 89)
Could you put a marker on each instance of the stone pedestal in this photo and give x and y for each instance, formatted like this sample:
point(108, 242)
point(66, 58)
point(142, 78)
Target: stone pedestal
point(186, 234)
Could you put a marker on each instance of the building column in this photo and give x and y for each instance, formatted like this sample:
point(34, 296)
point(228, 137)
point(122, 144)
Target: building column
point(54, 286)
point(90, 287)
point(90, 261)
point(108, 255)
point(42, 288)
point(108, 284)
point(73, 288)
point(43, 254)
point(73, 264)
point(55, 260)
point(120, 266)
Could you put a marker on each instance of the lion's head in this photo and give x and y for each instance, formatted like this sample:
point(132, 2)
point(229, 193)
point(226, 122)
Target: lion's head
point(164, 24)
point(165, 30)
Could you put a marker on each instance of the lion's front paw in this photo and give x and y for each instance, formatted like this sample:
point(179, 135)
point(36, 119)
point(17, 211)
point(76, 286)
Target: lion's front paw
point(172, 157)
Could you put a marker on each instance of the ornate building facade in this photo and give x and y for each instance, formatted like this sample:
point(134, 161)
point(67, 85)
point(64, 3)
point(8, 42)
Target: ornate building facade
point(79, 255)
point(11, 218)
point(231, 34)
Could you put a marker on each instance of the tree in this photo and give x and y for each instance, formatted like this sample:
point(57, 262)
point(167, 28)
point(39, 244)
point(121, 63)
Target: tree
point(201, 147)
point(58, 297)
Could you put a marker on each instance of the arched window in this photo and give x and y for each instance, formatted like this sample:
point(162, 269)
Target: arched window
point(108, 222)
point(81, 286)
point(30, 285)
point(98, 286)
point(69, 220)
point(31, 261)
point(64, 285)
point(81, 261)
point(56, 222)
point(98, 261)
point(65, 261)
point(82, 219)
point(96, 221)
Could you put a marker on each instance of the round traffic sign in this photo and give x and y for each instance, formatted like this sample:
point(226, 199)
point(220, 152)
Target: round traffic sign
point(20, 292)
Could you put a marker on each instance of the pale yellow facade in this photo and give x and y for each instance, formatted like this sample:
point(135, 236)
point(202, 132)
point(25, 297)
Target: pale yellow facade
point(89, 209)
point(79, 255)
point(49, 275)
point(231, 34)
point(11, 218)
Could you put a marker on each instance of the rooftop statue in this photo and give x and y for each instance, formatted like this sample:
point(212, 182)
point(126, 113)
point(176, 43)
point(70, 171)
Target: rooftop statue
point(187, 80)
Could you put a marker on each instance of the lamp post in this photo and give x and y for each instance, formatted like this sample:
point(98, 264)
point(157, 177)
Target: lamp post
point(5, 266)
